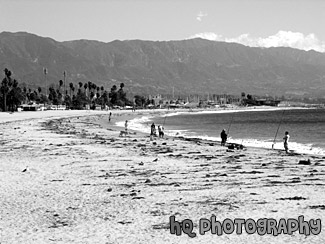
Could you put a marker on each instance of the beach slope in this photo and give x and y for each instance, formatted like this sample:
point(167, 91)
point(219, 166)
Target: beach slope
point(66, 178)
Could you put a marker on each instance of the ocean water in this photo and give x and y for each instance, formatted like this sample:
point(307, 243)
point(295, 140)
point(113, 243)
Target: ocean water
point(251, 128)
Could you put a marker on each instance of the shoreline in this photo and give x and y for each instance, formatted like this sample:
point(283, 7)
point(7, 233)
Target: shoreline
point(119, 117)
point(16, 116)
point(138, 124)
point(84, 183)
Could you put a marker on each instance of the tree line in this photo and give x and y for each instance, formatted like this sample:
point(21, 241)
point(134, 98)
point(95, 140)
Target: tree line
point(77, 96)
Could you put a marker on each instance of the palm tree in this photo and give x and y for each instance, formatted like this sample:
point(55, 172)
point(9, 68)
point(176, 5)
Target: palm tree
point(73, 90)
point(113, 95)
point(60, 84)
point(121, 95)
point(65, 80)
point(15, 84)
point(15, 96)
point(25, 93)
point(5, 87)
point(85, 87)
point(60, 96)
point(71, 87)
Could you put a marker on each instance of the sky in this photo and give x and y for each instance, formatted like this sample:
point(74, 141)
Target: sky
point(264, 23)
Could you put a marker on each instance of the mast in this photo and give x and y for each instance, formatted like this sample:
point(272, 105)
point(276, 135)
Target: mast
point(45, 73)
point(64, 78)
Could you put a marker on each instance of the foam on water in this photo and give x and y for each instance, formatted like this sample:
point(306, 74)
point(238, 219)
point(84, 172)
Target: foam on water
point(143, 124)
point(138, 124)
point(294, 146)
point(227, 110)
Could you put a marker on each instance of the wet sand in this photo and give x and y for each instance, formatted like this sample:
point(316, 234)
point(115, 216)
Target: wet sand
point(85, 184)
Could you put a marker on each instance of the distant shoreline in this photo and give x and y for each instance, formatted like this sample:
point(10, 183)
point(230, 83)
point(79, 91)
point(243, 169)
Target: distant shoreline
point(16, 116)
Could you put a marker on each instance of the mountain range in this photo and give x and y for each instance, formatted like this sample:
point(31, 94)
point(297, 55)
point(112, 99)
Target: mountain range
point(193, 66)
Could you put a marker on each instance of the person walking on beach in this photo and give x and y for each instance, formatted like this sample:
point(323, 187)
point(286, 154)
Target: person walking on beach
point(161, 131)
point(126, 126)
point(152, 131)
point(286, 141)
point(223, 136)
point(109, 117)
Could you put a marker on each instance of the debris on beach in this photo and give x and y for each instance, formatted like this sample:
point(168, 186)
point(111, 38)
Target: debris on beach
point(116, 182)
point(292, 198)
point(25, 169)
point(305, 162)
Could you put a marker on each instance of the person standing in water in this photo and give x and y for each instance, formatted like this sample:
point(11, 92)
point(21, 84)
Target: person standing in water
point(223, 136)
point(286, 141)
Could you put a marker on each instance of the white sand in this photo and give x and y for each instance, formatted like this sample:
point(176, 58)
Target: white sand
point(87, 185)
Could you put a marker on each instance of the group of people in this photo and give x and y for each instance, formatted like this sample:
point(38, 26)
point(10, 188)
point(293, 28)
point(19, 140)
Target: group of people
point(223, 134)
point(153, 131)
point(286, 138)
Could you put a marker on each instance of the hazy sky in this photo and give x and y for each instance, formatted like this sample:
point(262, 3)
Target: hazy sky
point(296, 23)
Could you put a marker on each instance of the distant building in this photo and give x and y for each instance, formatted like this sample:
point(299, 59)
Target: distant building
point(30, 107)
point(223, 99)
point(156, 99)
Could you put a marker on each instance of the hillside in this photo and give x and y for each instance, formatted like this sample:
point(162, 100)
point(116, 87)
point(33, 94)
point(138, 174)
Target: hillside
point(193, 66)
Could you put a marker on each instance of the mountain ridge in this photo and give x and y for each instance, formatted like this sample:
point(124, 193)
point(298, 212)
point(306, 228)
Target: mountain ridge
point(193, 66)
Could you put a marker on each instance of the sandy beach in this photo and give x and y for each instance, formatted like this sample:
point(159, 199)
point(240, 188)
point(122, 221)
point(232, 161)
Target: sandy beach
point(82, 183)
